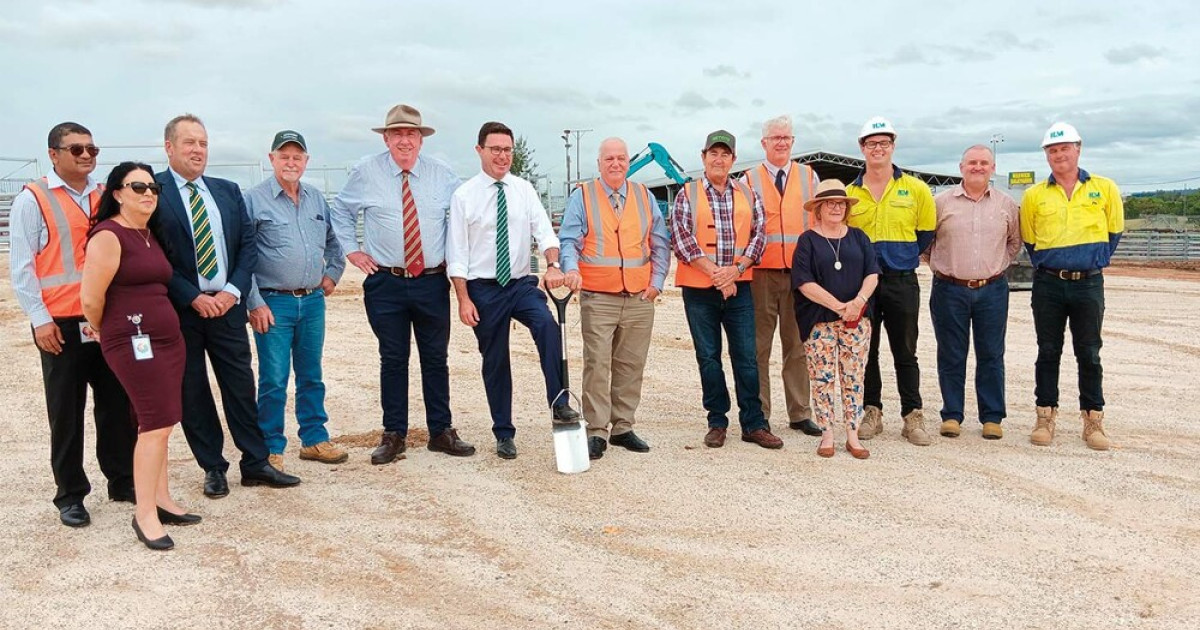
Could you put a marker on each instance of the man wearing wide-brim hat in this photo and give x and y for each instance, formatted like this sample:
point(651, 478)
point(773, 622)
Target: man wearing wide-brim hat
point(404, 198)
point(1071, 224)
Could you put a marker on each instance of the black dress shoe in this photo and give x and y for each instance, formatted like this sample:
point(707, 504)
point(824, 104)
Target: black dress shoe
point(596, 447)
point(74, 515)
point(390, 447)
point(447, 442)
point(122, 493)
point(158, 544)
point(506, 448)
point(564, 414)
point(630, 441)
point(807, 426)
point(171, 518)
point(215, 484)
point(270, 476)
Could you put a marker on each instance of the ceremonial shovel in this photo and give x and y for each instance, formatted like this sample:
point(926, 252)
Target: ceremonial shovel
point(570, 440)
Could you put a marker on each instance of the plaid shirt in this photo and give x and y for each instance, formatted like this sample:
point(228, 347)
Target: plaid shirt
point(684, 240)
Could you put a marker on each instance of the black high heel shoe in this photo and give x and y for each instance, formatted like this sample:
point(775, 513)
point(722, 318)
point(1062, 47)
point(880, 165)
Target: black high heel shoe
point(171, 518)
point(158, 544)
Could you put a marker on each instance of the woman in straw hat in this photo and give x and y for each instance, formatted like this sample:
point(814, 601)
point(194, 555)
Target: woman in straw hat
point(835, 272)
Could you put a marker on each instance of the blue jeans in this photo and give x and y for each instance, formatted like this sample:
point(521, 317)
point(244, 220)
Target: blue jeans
point(957, 312)
point(298, 337)
point(707, 312)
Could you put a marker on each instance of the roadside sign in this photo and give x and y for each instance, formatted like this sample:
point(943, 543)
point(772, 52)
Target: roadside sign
point(1020, 178)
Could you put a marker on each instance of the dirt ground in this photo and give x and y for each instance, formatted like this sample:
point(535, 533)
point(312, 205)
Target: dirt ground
point(962, 534)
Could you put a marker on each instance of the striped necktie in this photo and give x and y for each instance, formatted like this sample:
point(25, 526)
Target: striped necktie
point(779, 181)
point(206, 249)
point(414, 257)
point(615, 200)
point(503, 265)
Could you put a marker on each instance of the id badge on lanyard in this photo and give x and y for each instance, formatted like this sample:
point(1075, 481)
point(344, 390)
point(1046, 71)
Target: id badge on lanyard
point(141, 342)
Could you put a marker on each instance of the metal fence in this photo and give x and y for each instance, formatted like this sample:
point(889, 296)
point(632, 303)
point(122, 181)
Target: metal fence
point(5, 208)
point(1159, 246)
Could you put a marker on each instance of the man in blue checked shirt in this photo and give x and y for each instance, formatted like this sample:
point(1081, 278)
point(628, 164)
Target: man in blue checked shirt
point(299, 263)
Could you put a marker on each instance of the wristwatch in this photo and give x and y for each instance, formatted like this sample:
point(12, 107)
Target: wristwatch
point(741, 269)
point(555, 265)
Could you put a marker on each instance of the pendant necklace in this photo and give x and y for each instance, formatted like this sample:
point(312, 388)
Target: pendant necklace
point(146, 237)
point(837, 253)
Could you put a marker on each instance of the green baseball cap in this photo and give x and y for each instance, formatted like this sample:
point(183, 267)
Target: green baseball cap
point(721, 136)
point(286, 136)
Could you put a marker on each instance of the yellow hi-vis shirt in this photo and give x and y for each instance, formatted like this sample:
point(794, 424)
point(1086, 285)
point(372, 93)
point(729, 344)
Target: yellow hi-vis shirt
point(1076, 234)
point(900, 224)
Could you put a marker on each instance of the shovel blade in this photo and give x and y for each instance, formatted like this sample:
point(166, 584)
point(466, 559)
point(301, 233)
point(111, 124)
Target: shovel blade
point(570, 448)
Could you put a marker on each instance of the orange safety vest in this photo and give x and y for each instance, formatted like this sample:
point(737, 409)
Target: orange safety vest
point(704, 230)
point(786, 218)
point(59, 266)
point(616, 249)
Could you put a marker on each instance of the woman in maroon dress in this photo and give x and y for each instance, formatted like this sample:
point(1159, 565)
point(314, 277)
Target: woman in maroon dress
point(124, 295)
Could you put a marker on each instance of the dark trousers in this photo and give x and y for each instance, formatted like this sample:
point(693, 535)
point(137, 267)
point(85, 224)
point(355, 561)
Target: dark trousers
point(897, 304)
point(1079, 303)
point(707, 313)
point(66, 377)
point(498, 306)
point(398, 309)
point(958, 312)
point(228, 347)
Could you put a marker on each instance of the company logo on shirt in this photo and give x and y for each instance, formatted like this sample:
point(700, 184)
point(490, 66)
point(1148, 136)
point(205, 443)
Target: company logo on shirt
point(902, 193)
point(1094, 194)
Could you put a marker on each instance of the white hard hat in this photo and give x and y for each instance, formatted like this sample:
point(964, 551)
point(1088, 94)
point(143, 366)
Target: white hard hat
point(1060, 133)
point(875, 126)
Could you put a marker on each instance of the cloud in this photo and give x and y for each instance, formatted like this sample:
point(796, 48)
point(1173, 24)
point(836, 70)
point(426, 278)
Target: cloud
point(229, 4)
point(1005, 40)
point(1134, 54)
point(725, 71)
point(725, 103)
point(758, 102)
point(934, 55)
point(693, 101)
point(607, 99)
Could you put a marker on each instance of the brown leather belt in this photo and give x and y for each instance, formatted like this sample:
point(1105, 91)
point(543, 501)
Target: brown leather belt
point(1064, 274)
point(970, 284)
point(291, 292)
point(774, 269)
point(403, 273)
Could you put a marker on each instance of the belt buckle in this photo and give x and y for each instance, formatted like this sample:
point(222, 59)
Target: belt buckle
point(399, 272)
point(976, 284)
point(1070, 275)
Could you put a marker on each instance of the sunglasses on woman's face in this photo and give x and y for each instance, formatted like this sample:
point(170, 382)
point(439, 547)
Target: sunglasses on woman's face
point(141, 187)
point(78, 149)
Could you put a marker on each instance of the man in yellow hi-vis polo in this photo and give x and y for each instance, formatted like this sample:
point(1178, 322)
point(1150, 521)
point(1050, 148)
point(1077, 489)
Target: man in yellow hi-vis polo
point(1071, 224)
point(898, 214)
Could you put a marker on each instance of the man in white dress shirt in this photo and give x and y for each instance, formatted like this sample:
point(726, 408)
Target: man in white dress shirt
point(493, 217)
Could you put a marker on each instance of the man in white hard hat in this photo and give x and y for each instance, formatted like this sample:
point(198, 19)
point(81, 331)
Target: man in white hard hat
point(897, 212)
point(1071, 224)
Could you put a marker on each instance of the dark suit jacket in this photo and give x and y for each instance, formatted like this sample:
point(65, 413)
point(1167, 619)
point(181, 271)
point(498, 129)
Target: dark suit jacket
point(241, 253)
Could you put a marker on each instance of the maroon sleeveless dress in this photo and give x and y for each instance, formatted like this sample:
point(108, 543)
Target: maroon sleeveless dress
point(155, 386)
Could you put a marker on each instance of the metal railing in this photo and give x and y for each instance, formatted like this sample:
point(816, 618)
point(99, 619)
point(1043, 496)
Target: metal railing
point(1159, 246)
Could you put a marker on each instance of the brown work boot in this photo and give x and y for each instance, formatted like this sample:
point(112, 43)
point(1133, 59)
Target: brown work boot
point(324, 452)
point(1043, 432)
point(448, 442)
point(950, 428)
point(715, 438)
point(763, 438)
point(992, 431)
point(276, 461)
point(872, 423)
point(1093, 431)
point(391, 446)
point(914, 429)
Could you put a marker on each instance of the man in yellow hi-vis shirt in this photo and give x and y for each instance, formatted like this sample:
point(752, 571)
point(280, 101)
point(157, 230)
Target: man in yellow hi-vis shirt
point(898, 214)
point(1071, 224)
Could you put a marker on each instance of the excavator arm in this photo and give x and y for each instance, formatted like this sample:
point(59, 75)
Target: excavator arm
point(654, 152)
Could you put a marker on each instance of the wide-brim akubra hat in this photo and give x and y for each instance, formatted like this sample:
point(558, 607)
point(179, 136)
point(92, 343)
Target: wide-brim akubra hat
point(828, 190)
point(404, 117)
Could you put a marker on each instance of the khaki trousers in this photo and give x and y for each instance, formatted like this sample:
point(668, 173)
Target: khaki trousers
point(616, 339)
point(773, 306)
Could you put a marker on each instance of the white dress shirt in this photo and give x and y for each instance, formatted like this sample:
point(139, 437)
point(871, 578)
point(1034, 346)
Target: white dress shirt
point(219, 282)
point(471, 244)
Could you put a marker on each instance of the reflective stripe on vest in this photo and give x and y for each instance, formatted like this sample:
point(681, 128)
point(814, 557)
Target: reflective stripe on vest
point(59, 266)
point(704, 230)
point(786, 218)
point(615, 254)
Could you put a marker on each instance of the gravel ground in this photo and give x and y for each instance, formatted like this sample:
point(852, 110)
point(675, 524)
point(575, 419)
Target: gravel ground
point(962, 534)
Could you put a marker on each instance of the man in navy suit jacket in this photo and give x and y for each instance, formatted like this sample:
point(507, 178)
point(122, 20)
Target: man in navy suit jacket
point(210, 243)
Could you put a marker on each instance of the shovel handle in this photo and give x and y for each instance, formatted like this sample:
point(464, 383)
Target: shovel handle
point(561, 304)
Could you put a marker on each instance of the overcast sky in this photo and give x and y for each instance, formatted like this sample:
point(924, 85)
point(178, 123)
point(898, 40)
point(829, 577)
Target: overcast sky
point(948, 74)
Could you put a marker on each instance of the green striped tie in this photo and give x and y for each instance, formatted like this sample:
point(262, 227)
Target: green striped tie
point(206, 249)
point(503, 265)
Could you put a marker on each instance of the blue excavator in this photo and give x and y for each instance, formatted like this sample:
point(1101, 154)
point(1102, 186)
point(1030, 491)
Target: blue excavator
point(655, 152)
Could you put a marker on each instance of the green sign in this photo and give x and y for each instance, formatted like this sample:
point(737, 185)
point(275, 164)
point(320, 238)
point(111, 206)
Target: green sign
point(1020, 178)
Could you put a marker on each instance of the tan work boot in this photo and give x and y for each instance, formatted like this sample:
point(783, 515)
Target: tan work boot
point(950, 428)
point(1043, 432)
point(1093, 431)
point(872, 423)
point(914, 429)
point(324, 452)
point(992, 431)
point(276, 461)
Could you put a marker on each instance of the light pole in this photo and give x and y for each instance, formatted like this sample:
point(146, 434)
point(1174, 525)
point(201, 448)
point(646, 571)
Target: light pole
point(997, 138)
point(578, 134)
point(566, 136)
